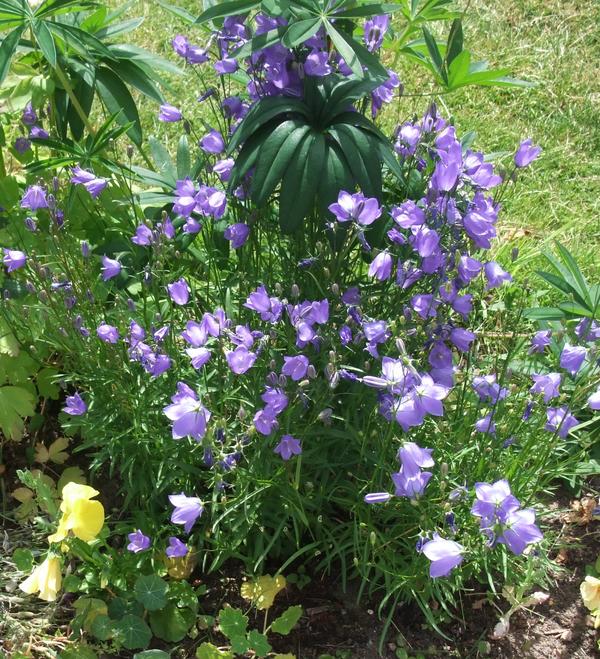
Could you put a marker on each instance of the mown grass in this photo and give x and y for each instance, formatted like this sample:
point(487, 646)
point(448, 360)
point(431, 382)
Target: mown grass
point(552, 43)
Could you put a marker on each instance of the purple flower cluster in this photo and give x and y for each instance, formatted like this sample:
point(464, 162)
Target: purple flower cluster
point(502, 519)
point(206, 201)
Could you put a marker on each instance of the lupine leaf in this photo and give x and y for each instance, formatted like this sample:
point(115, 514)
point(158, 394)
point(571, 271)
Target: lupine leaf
point(274, 158)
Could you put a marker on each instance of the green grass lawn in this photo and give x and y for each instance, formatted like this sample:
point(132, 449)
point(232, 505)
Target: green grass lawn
point(552, 43)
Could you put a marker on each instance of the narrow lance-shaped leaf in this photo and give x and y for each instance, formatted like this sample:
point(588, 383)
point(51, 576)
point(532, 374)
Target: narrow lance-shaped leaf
point(7, 50)
point(455, 41)
point(117, 98)
point(222, 10)
point(435, 55)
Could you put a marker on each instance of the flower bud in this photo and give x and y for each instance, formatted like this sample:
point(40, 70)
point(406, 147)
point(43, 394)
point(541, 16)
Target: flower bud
point(335, 289)
point(295, 291)
point(311, 372)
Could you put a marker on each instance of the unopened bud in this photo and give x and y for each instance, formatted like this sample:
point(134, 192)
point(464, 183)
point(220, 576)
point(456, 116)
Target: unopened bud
point(311, 372)
point(295, 291)
point(335, 289)
point(278, 289)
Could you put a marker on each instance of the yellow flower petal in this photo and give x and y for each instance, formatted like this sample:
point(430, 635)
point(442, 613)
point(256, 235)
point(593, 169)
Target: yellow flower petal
point(73, 492)
point(590, 593)
point(46, 578)
point(61, 531)
point(32, 583)
point(86, 519)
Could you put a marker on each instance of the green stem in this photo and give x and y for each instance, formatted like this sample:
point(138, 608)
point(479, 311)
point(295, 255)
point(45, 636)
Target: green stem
point(71, 94)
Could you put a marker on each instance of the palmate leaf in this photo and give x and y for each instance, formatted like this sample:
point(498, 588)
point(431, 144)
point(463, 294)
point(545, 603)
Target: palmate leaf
point(261, 113)
point(16, 403)
point(299, 31)
point(312, 149)
point(45, 41)
point(347, 136)
point(274, 158)
point(304, 172)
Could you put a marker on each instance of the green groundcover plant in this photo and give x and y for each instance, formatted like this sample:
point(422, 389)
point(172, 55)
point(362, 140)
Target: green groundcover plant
point(286, 341)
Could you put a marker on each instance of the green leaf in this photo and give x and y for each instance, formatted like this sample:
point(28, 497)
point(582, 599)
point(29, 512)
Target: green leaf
point(136, 76)
point(248, 155)
point(358, 55)
point(299, 31)
point(162, 160)
point(9, 193)
point(46, 383)
point(23, 559)
point(184, 164)
point(435, 55)
point(16, 403)
point(182, 13)
point(83, 81)
point(576, 309)
point(571, 264)
point(336, 176)
point(458, 71)
point(455, 41)
point(301, 181)
point(259, 41)
point(7, 50)
point(239, 645)
point(287, 620)
point(224, 9)
point(368, 176)
point(366, 11)
point(122, 27)
point(102, 627)
point(232, 622)
point(261, 113)
point(150, 590)
point(274, 158)
point(117, 99)
point(171, 624)
point(210, 651)
point(345, 50)
point(259, 643)
point(544, 313)
point(79, 40)
point(45, 41)
point(134, 632)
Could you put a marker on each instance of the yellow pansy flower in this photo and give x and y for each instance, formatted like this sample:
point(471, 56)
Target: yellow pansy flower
point(262, 591)
point(590, 593)
point(46, 578)
point(80, 515)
